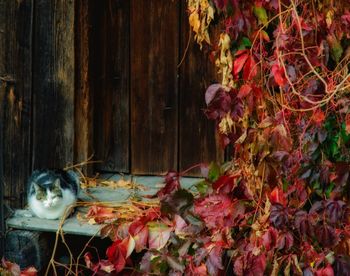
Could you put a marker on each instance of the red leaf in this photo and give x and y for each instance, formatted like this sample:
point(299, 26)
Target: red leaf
point(269, 239)
point(279, 75)
point(11, 267)
point(244, 91)
point(214, 260)
point(220, 3)
point(193, 270)
point(318, 117)
point(250, 69)
point(139, 232)
point(250, 264)
point(225, 183)
point(285, 241)
point(327, 271)
point(172, 184)
point(30, 271)
point(119, 251)
point(278, 196)
point(219, 211)
point(347, 124)
point(100, 214)
point(104, 265)
point(326, 235)
point(239, 62)
point(346, 18)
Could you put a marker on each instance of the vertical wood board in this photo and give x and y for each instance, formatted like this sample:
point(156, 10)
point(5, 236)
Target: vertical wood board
point(154, 85)
point(83, 127)
point(16, 95)
point(53, 83)
point(111, 84)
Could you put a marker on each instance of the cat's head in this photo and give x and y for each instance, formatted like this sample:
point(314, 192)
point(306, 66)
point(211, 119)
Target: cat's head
point(49, 195)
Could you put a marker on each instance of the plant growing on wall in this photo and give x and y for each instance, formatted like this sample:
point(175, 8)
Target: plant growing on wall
point(281, 204)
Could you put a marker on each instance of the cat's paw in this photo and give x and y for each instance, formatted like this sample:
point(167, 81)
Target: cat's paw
point(26, 213)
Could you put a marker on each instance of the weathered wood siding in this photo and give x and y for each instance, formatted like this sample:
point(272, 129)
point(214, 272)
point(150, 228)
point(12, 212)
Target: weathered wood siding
point(16, 23)
point(101, 77)
point(154, 85)
point(111, 80)
point(53, 83)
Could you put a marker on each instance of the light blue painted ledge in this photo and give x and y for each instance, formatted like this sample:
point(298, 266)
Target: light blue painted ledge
point(21, 219)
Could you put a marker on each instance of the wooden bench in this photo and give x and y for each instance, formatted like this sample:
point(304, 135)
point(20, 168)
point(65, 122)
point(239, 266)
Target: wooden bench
point(25, 240)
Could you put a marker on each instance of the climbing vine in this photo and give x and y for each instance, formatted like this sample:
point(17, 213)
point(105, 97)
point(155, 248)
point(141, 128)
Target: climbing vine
point(281, 204)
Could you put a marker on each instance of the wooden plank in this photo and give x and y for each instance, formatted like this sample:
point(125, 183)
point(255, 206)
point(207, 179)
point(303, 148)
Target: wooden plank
point(154, 85)
point(2, 217)
point(110, 58)
point(197, 142)
point(71, 226)
point(16, 73)
point(53, 83)
point(2, 93)
point(83, 146)
point(24, 219)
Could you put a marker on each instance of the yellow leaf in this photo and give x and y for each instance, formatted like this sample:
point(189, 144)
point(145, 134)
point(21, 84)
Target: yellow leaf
point(194, 21)
point(329, 18)
point(92, 221)
point(226, 124)
point(275, 268)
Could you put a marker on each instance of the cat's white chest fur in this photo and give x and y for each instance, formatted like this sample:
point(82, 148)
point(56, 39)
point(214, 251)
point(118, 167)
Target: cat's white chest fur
point(43, 210)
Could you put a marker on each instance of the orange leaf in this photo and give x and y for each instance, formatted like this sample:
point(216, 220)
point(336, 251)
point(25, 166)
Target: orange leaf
point(244, 91)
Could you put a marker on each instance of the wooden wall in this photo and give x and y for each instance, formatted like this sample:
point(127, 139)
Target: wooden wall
point(101, 77)
point(16, 46)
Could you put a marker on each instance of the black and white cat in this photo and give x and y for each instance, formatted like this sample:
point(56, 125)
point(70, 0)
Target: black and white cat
point(50, 192)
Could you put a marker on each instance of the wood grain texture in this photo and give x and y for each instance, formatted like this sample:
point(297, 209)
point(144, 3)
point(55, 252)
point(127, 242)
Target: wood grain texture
point(53, 83)
point(83, 127)
point(197, 141)
point(2, 92)
point(111, 84)
point(154, 85)
point(16, 95)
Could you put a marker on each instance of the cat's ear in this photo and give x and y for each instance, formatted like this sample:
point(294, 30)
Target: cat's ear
point(57, 183)
point(37, 188)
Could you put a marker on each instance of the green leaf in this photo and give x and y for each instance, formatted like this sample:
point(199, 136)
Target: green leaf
point(214, 172)
point(329, 190)
point(245, 43)
point(163, 267)
point(334, 148)
point(345, 137)
point(261, 14)
point(202, 187)
point(285, 185)
point(336, 50)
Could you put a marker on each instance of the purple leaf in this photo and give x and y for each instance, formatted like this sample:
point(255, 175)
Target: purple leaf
point(211, 92)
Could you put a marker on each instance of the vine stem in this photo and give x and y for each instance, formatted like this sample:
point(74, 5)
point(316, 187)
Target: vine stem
point(186, 49)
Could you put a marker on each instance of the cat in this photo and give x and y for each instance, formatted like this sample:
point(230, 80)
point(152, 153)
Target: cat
point(50, 192)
